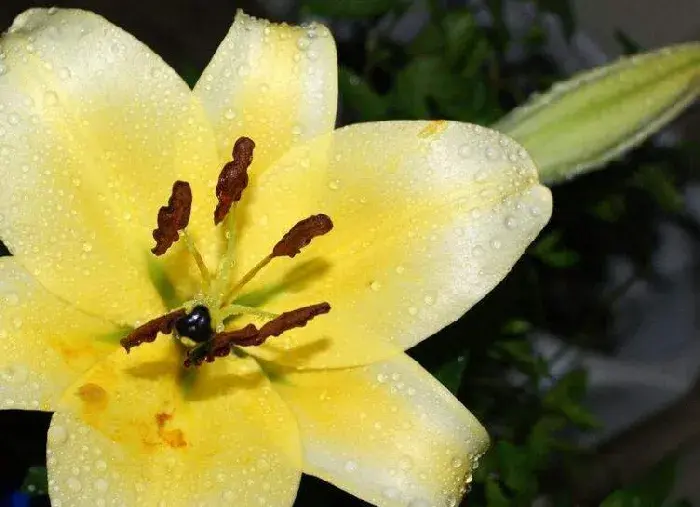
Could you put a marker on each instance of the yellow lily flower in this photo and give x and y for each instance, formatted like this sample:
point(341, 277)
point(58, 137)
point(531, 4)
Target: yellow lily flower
point(428, 217)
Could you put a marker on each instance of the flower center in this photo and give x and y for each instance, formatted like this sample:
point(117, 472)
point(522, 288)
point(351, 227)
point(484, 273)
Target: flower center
point(199, 324)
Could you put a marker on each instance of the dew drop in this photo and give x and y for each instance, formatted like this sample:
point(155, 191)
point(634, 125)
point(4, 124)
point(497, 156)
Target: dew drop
point(13, 119)
point(391, 493)
point(87, 247)
point(375, 286)
point(230, 114)
point(400, 269)
point(58, 434)
point(511, 222)
point(457, 462)
point(495, 244)
point(50, 98)
point(334, 185)
point(492, 153)
point(74, 484)
point(350, 466)
point(64, 73)
point(464, 151)
point(406, 463)
point(412, 310)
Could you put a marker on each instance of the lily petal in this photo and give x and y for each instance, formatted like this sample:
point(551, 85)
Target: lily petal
point(44, 343)
point(94, 131)
point(274, 83)
point(429, 217)
point(388, 433)
point(138, 435)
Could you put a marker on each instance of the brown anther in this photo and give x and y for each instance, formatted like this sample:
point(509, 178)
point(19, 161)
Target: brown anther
point(301, 235)
point(173, 218)
point(149, 331)
point(289, 320)
point(250, 336)
point(220, 345)
point(233, 178)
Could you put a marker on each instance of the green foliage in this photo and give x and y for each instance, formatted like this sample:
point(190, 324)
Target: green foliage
point(455, 68)
point(351, 8)
point(35, 482)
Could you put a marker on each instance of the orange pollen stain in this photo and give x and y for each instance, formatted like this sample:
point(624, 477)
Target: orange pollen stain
point(175, 438)
point(433, 128)
point(94, 397)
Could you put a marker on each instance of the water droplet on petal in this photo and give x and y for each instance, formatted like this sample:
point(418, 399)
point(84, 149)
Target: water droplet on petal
point(74, 484)
point(50, 98)
point(391, 493)
point(58, 435)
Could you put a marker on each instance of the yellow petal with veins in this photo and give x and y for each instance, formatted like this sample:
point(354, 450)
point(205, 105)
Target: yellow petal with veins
point(44, 343)
point(388, 433)
point(95, 130)
point(139, 435)
point(429, 217)
point(276, 84)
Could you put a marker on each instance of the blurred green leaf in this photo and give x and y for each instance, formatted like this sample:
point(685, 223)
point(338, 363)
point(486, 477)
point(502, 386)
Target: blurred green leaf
point(495, 496)
point(565, 397)
point(659, 183)
point(549, 250)
point(351, 8)
point(515, 467)
point(35, 482)
point(629, 46)
point(610, 209)
point(564, 11)
point(358, 95)
point(517, 326)
point(450, 373)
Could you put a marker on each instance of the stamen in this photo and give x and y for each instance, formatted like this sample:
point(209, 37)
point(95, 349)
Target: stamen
point(149, 331)
point(173, 218)
point(290, 245)
point(248, 277)
point(233, 178)
point(232, 310)
point(250, 336)
point(295, 318)
point(218, 347)
point(198, 259)
point(301, 235)
point(229, 189)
